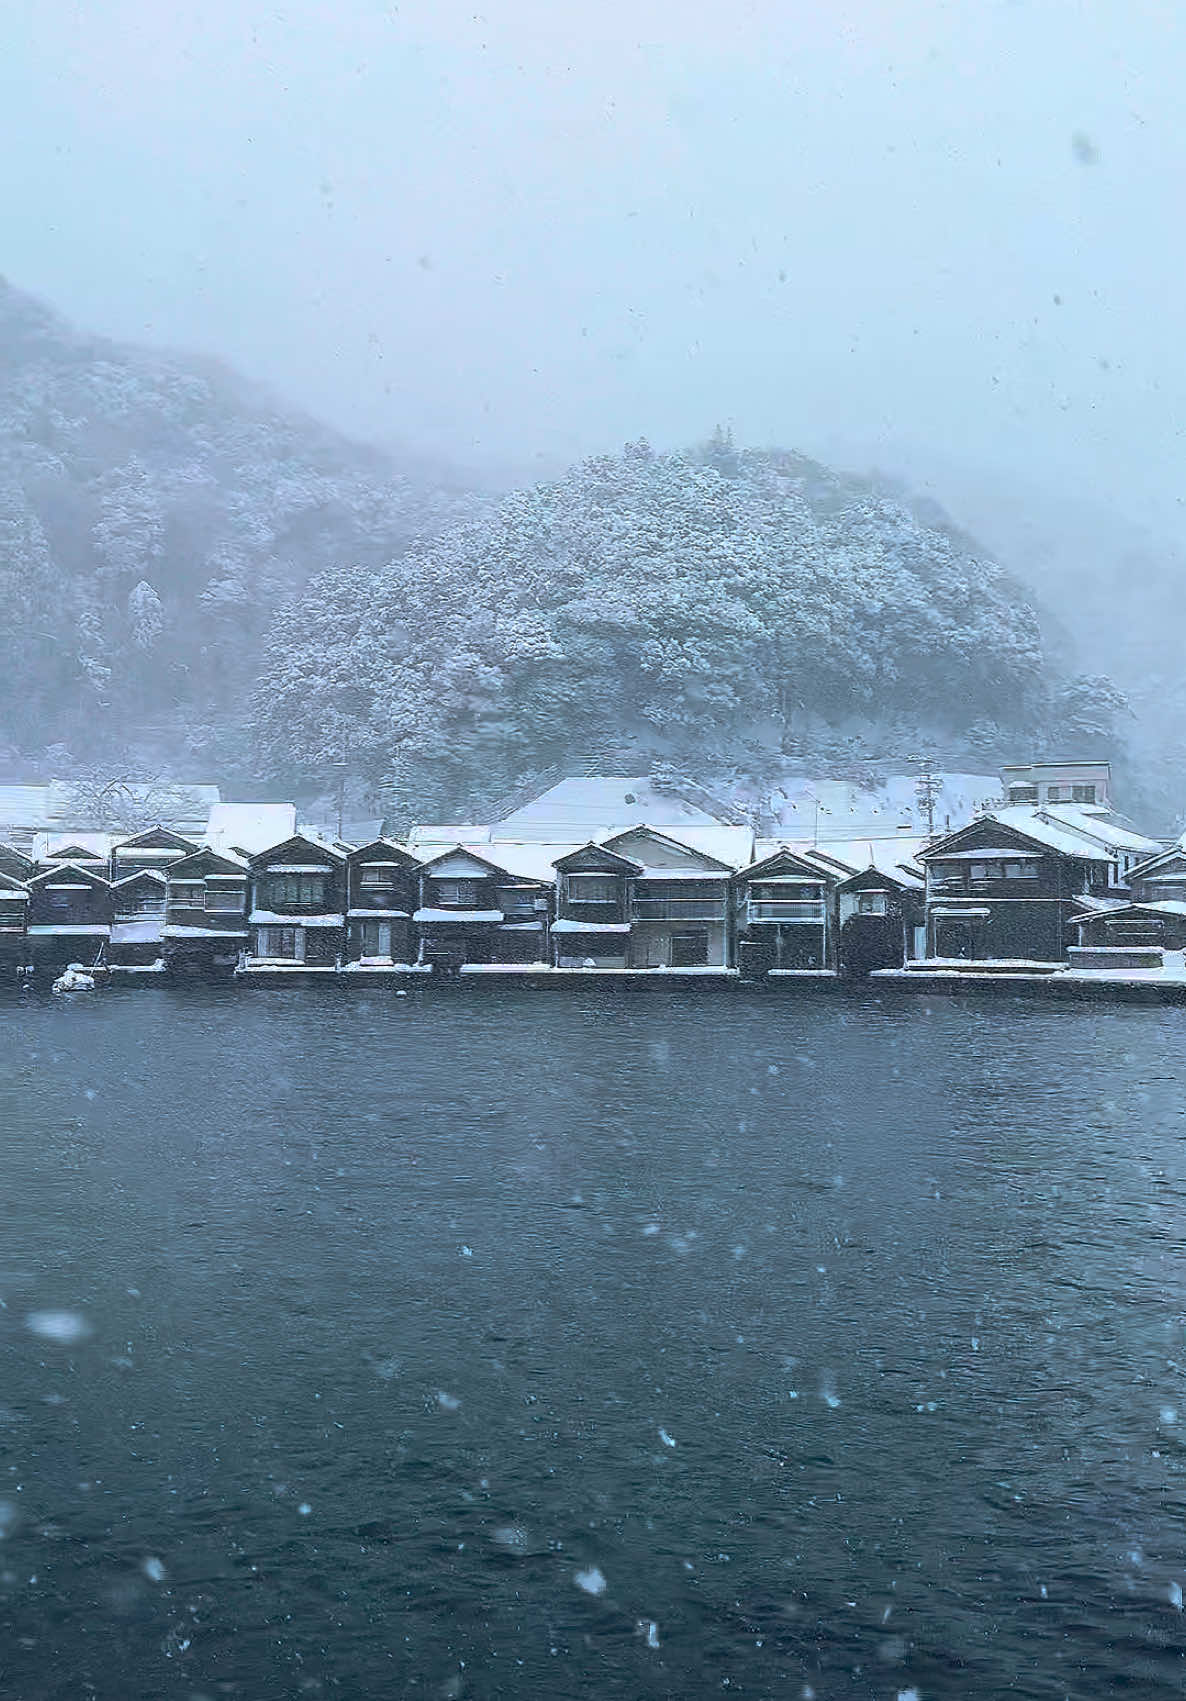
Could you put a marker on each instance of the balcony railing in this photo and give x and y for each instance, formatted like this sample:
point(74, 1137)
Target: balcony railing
point(785, 909)
point(678, 909)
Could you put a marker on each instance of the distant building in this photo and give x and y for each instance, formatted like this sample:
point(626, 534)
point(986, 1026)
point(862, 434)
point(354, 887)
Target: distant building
point(245, 829)
point(60, 807)
point(1086, 783)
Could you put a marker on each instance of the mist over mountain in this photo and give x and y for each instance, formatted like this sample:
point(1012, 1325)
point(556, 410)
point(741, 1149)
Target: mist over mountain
point(154, 509)
point(719, 610)
point(197, 577)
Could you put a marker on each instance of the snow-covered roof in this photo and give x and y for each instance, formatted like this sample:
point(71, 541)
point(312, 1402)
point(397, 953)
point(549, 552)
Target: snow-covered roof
point(250, 827)
point(24, 809)
point(271, 918)
point(1101, 825)
point(658, 871)
point(634, 842)
point(566, 925)
point(175, 931)
point(457, 915)
point(376, 915)
point(92, 929)
point(848, 810)
point(143, 931)
point(531, 861)
point(56, 870)
point(1046, 829)
point(894, 855)
point(96, 845)
point(527, 849)
point(581, 808)
point(152, 874)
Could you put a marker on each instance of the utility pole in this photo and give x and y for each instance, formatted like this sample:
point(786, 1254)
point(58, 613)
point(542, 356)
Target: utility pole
point(926, 790)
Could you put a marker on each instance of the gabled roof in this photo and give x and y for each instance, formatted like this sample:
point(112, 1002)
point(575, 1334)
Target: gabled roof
point(909, 880)
point(11, 887)
point(602, 854)
point(93, 847)
point(383, 850)
point(462, 850)
point(1046, 835)
point(1151, 865)
point(153, 838)
point(153, 874)
point(60, 868)
point(504, 869)
point(669, 841)
point(11, 851)
point(1100, 827)
point(296, 841)
point(225, 863)
point(784, 856)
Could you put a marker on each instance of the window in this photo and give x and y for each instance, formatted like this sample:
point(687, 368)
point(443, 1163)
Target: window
point(458, 894)
point(1023, 794)
point(149, 903)
point(226, 899)
point(375, 876)
point(375, 939)
point(1021, 871)
point(872, 903)
point(1054, 794)
point(302, 889)
point(285, 942)
point(593, 888)
point(1082, 794)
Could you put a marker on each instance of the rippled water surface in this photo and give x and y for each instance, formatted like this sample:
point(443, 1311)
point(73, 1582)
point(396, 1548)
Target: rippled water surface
point(483, 1343)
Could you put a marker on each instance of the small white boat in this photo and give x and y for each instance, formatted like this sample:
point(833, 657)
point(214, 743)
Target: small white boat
point(74, 978)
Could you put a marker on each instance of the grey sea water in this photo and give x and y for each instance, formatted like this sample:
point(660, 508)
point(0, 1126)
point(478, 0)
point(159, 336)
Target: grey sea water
point(496, 1343)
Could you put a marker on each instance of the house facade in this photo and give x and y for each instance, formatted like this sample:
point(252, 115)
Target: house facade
point(206, 913)
point(297, 899)
point(994, 891)
point(881, 919)
point(1154, 913)
point(591, 929)
point(69, 916)
point(14, 904)
point(472, 911)
point(382, 893)
point(784, 916)
point(677, 904)
point(137, 940)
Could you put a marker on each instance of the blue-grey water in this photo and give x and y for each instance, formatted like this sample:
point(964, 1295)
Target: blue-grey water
point(487, 1343)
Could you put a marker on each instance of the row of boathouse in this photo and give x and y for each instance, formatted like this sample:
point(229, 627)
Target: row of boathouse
point(1035, 880)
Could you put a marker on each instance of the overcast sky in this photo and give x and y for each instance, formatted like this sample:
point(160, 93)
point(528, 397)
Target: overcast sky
point(920, 233)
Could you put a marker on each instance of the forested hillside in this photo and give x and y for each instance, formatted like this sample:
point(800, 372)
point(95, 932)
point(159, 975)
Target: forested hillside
point(195, 580)
point(154, 510)
point(714, 610)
